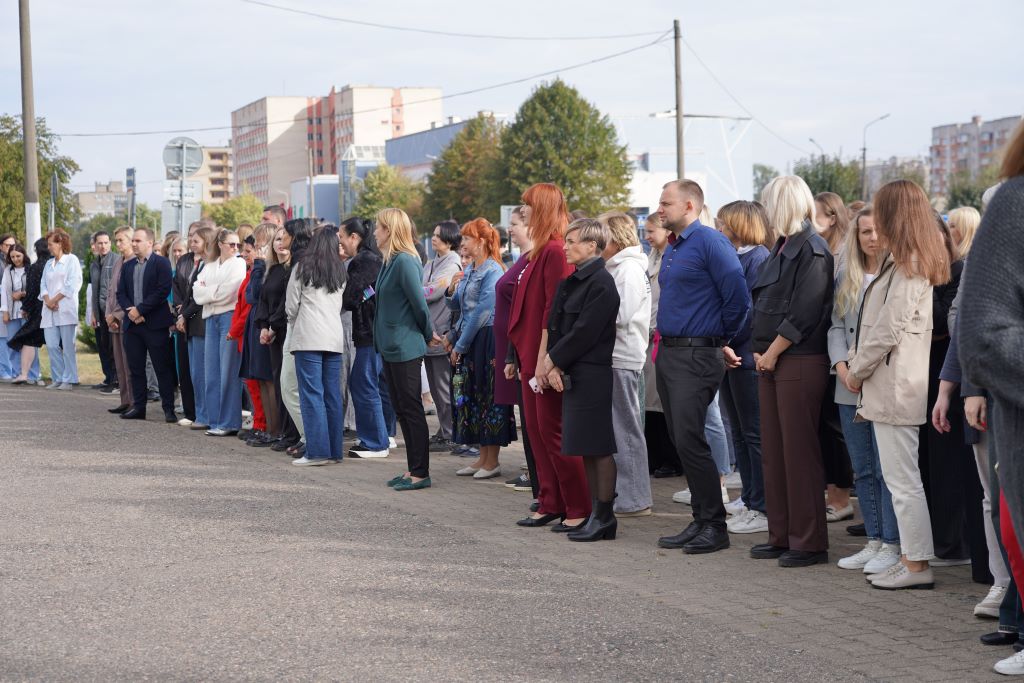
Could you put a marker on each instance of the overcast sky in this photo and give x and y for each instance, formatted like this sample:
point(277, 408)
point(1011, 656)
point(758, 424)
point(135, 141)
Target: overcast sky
point(803, 68)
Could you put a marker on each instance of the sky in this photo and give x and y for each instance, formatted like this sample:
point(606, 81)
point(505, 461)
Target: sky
point(802, 69)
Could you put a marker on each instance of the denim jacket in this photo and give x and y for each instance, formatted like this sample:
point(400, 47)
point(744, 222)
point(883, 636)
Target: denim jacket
point(474, 297)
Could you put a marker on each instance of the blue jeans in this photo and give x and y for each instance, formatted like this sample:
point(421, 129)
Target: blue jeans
point(60, 345)
point(738, 397)
point(6, 363)
point(390, 418)
point(319, 375)
point(223, 385)
point(197, 370)
point(15, 356)
point(872, 493)
point(714, 432)
point(367, 393)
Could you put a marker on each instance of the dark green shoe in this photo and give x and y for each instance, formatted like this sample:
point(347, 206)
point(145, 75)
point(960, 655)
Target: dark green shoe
point(397, 480)
point(410, 485)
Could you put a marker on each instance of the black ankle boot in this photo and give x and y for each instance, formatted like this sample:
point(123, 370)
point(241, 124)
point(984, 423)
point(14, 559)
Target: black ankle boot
point(601, 525)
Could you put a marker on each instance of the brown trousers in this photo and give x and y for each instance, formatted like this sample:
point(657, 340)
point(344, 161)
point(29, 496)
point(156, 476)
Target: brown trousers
point(124, 381)
point(794, 475)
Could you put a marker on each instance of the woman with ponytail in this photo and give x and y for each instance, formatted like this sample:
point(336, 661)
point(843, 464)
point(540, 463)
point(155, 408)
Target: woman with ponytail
point(477, 418)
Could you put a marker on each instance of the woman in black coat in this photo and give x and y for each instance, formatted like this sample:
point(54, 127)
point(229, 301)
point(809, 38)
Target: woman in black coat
point(31, 307)
point(581, 338)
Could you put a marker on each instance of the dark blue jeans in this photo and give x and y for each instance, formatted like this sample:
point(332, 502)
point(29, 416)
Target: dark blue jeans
point(738, 398)
point(319, 376)
point(872, 493)
point(368, 392)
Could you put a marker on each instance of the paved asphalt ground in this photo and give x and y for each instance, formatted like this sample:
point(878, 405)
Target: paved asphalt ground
point(133, 551)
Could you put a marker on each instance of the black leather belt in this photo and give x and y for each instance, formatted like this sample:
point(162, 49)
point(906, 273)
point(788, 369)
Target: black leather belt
point(693, 341)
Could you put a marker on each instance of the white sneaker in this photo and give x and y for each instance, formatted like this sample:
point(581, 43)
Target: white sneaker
point(989, 606)
point(1011, 666)
point(371, 454)
point(67, 386)
point(887, 556)
point(306, 462)
point(682, 496)
point(735, 507)
point(247, 420)
point(860, 560)
point(902, 578)
point(725, 494)
point(185, 422)
point(750, 522)
point(392, 443)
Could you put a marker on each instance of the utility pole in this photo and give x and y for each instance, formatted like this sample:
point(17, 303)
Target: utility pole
point(864, 158)
point(28, 126)
point(680, 164)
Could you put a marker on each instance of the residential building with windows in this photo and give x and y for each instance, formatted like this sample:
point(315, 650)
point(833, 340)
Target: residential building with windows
point(107, 199)
point(967, 148)
point(216, 175)
point(269, 147)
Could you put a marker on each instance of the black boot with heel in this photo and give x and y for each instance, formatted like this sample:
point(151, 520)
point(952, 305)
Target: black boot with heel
point(601, 526)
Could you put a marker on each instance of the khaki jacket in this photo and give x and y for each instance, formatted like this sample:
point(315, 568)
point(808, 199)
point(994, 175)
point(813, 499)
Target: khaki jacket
point(893, 344)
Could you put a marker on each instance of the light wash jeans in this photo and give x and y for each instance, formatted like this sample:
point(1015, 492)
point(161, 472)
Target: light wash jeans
point(633, 480)
point(718, 441)
point(897, 452)
point(197, 370)
point(7, 370)
point(223, 385)
point(290, 391)
point(872, 493)
point(60, 345)
point(15, 356)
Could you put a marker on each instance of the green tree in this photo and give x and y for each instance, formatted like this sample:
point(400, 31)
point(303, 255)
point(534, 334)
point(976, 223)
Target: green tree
point(244, 208)
point(385, 187)
point(967, 191)
point(462, 183)
point(558, 137)
point(831, 174)
point(12, 177)
point(762, 174)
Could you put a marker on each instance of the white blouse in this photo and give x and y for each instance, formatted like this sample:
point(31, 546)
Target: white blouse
point(13, 281)
point(61, 277)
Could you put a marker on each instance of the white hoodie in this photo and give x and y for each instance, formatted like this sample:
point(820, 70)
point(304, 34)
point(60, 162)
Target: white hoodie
point(629, 270)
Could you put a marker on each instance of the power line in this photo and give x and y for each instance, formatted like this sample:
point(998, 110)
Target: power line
point(451, 34)
point(661, 38)
point(735, 99)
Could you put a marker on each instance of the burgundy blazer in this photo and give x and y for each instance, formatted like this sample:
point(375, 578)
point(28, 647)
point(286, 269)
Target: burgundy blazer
point(531, 303)
point(505, 391)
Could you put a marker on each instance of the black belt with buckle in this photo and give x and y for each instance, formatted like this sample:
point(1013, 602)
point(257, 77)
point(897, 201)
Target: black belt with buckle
point(693, 341)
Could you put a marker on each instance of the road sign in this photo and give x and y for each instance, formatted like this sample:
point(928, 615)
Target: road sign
point(129, 177)
point(193, 191)
point(182, 156)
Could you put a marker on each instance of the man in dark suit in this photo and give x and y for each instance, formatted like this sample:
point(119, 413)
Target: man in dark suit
point(142, 292)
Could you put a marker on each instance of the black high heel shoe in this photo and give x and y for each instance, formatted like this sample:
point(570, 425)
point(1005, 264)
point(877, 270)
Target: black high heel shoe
point(543, 520)
point(602, 525)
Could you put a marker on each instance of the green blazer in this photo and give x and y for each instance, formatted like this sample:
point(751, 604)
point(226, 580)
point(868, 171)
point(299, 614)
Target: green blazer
point(401, 328)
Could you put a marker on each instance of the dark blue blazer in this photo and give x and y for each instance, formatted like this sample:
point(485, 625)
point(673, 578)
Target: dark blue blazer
point(156, 287)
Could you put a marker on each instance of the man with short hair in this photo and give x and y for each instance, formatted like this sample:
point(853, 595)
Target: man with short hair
point(275, 214)
point(142, 292)
point(704, 303)
point(100, 271)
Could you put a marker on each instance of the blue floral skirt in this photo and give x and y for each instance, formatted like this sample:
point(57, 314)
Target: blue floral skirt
point(478, 419)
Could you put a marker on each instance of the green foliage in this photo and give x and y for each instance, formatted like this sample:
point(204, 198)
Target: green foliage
point(558, 137)
point(81, 235)
point(385, 187)
point(762, 174)
point(965, 191)
point(12, 177)
point(831, 174)
point(462, 182)
point(244, 208)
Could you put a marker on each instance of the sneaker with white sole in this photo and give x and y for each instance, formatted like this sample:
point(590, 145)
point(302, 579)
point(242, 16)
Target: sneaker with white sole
point(392, 443)
point(369, 454)
point(682, 496)
point(1011, 666)
point(861, 559)
point(725, 495)
point(989, 606)
point(891, 570)
point(185, 422)
point(306, 462)
point(735, 507)
point(887, 556)
point(902, 579)
point(750, 522)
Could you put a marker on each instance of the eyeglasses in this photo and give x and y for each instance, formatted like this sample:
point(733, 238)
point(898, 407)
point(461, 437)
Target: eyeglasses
point(233, 245)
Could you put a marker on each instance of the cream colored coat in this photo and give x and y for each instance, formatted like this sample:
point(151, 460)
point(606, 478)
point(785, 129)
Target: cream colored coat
point(894, 339)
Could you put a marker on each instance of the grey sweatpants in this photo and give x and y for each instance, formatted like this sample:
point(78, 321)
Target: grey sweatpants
point(633, 482)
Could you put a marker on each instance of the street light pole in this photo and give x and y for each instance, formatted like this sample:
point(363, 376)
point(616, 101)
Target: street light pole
point(680, 163)
point(33, 224)
point(864, 158)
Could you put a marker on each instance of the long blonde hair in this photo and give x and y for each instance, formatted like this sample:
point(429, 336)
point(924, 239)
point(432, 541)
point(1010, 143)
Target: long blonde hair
point(852, 276)
point(400, 237)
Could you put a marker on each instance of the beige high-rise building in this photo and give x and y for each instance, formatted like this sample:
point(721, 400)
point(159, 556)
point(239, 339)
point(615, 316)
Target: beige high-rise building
point(216, 174)
point(108, 199)
point(269, 146)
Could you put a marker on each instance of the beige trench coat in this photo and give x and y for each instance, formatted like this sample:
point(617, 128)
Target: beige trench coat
point(890, 356)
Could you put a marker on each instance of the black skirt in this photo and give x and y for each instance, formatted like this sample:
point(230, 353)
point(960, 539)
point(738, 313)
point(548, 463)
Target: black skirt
point(587, 411)
point(29, 335)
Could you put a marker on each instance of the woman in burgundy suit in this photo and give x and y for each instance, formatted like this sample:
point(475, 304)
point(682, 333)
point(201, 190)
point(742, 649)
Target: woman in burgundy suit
point(563, 489)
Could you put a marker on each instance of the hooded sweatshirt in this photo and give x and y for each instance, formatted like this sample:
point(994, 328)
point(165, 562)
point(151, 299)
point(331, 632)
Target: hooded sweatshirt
point(629, 270)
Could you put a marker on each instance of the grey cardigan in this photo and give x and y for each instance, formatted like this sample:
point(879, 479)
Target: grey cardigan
point(842, 336)
point(314, 317)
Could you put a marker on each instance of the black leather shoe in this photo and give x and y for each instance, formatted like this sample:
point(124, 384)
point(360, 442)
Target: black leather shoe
point(133, 414)
point(682, 538)
point(998, 638)
point(170, 417)
point(709, 540)
point(665, 472)
point(283, 444)
point(767, 551)
point(561, 527)
point(802, 558)
point(856, 530)
point(119, 409)
point(601, 526)
point(543, 520)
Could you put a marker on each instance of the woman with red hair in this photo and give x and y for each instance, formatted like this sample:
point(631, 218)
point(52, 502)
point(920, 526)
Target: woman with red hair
point(563, 488)
point(478, 419)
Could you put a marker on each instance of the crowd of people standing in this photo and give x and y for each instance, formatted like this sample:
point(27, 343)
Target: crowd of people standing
point(818, 348)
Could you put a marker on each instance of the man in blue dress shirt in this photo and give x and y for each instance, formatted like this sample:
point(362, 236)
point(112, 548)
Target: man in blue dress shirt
point(704, 303)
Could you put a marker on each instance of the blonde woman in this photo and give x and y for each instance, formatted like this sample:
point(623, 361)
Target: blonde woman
point(401, 338)
point(963, 223)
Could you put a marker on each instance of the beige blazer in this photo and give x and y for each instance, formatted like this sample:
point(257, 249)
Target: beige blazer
point(890, 356)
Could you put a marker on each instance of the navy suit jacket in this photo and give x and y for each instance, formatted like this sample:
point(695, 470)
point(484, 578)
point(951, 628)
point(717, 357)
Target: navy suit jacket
point(156, 287)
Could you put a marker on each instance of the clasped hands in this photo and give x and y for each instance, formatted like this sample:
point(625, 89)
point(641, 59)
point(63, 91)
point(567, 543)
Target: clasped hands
point(549, 375)
point(135, 316)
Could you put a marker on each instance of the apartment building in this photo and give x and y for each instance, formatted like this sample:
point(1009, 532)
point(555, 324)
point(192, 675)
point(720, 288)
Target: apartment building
point(216, 175)
point(107, 199)
point(269, 146)
point(967, 148)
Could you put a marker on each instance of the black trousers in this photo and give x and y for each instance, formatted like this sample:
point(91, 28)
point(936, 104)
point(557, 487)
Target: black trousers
point(660, 451)
point(531, 467)
point(188, 394)
point(838, 470)
point(105, 349)
point(688, 378)
point(289, 432)
point(403, 380)
point(138, 341)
